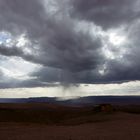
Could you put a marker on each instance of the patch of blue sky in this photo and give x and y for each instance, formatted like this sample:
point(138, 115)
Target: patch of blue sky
point(4, 37)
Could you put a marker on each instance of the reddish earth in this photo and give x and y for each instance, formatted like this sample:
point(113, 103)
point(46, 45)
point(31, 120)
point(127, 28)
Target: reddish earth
point(91, 126)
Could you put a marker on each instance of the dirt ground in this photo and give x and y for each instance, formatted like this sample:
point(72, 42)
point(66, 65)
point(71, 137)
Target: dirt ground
point(121, 126)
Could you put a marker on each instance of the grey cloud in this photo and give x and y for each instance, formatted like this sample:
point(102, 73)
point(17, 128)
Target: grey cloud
point(59, 45)
point(14, 83)
point(68, 54)
point(10, 82)
point(108, 13)
point(20, 15)
point(13, 51)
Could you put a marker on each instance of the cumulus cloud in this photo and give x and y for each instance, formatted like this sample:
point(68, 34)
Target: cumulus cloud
point(69, 41)
point(107, 14)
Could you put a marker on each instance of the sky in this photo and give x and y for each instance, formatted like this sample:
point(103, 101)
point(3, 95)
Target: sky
point(69, 48)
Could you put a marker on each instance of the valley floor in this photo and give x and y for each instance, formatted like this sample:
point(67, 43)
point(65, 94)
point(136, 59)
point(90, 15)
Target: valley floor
point(120, 126)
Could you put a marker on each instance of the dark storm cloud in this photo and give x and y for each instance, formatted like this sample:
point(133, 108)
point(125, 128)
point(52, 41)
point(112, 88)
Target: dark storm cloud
point(120, 72)
point(18, 15)
point(14, 51)
point(14, 83)
point(48, 74)
point(59, 45)
point(64, 44)
point(106, 13)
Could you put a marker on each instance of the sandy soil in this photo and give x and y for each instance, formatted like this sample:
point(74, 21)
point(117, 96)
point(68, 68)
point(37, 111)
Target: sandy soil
point(121, 126)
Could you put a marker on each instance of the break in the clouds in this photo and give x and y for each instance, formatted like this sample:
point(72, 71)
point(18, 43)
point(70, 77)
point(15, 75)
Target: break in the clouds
point(68, 41)
point(127, 89)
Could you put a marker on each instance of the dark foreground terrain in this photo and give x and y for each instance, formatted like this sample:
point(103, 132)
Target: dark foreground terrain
point(42, 121)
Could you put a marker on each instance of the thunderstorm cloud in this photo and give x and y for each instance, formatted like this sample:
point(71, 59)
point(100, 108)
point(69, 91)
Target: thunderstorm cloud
point(45, 42)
